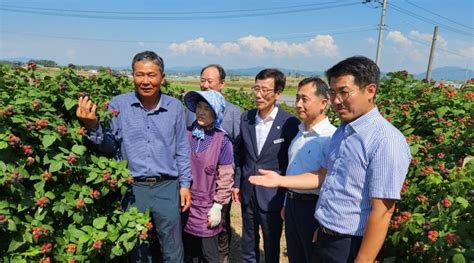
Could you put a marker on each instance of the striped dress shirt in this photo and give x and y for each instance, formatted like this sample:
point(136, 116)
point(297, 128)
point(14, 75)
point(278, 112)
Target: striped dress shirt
point(368, 158)
point(153, 142)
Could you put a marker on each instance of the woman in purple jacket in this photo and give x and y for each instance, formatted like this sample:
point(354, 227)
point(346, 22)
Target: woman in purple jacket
point(212, 172)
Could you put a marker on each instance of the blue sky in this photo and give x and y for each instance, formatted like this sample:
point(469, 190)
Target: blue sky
point(306, 35)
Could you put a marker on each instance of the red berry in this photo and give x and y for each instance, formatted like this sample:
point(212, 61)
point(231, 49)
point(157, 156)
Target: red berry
point(27, 149)
point(71, 159)
point(422, 198)
point(451, 238)
point(95, 194)
point(3, 219)
point(47, 175)
point(97, 244)
point(446, 203)
point(62, 129)
point(433, 235)
point(42, 201)
point(46, 248)
point(71, 248)
point(80, 203)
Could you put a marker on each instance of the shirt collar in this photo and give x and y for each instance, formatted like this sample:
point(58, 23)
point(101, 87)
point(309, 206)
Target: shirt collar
point(272, 115)
point(317, 129)
point(136, 102)
point(361, 123)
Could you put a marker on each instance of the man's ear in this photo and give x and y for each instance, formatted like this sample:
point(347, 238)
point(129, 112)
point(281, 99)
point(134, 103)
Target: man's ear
point(163, 80)
point(371, 89)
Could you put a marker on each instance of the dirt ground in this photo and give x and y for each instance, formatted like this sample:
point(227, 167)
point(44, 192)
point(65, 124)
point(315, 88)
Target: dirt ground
point(235, 250)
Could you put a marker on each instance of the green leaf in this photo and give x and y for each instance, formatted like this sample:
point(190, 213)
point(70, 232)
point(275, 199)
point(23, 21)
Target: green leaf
point(92, 176)
point(464, 203)
point(48, 140)
point(3, 145)
point(128, 246)
point(11, 225)
point(83, 238)
point(17, 242)
point(3, 166)
point(117, 250)
point(458, 258)
point(69, 103)
point(50, 195)
point(55, 166)
point(78, 149)
point(123, 219)
point(77, 218)
point(99, 223)
point(441, 111)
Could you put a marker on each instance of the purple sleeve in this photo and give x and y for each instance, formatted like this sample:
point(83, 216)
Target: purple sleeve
point(227, 154)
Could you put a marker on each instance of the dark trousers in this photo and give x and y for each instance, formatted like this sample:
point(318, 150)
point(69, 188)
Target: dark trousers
point(162, 199)
point(225, 236)
point(252, 218)
point(200, 249)
point(300, 225)
point(332, 249)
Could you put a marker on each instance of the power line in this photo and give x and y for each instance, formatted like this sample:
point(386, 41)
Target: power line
point(438, 15)
point(165, 13)
point(278, 37)
point(208, 17)
point(427, 20)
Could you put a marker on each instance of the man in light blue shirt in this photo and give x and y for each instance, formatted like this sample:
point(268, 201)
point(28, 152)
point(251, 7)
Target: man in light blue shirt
point(364, 171)
point(149, 132)
point(306, 153)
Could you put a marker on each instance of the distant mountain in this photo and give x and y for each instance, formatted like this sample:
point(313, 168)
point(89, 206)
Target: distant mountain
point(448, 73)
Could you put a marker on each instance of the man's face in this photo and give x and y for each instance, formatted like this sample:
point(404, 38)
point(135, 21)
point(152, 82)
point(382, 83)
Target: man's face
point(265, 94)
point(147, 78)
point(348, 100)
point(309, 106)
point(205, 116)
point(210, 79)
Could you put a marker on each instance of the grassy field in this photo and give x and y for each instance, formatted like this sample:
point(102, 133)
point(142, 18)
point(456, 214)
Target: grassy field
point(233, 83)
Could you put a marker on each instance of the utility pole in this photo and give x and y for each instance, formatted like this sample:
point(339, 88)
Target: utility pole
point(430, 62)
point(381, 26)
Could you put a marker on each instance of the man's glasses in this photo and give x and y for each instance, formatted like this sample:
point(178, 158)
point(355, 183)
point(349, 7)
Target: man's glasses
point(342, 95)
point(264, 92)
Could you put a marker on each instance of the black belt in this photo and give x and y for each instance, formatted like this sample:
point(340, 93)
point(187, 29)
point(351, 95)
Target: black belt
point(303, 197)
point(333, 233)
point(153, 179)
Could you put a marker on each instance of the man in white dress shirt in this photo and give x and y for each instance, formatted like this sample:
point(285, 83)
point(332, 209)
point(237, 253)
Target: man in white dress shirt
point(307, 150)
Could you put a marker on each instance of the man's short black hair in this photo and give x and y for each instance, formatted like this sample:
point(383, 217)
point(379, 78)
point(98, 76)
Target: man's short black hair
point(364, 70)
point(321, 88)
point(278, 77)
point(219, 68)
point(149, 56)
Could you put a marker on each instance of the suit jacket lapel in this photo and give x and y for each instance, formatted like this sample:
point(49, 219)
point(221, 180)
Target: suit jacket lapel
point(274, 133)
point(251, 121)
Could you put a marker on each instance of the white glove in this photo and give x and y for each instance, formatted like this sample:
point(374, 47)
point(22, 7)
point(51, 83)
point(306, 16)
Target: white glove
point(214, 216)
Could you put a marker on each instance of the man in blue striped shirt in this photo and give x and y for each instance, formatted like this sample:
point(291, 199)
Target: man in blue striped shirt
point(149, 132)
point(363, 173)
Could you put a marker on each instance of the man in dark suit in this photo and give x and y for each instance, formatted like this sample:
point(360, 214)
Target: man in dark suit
point(265, 135)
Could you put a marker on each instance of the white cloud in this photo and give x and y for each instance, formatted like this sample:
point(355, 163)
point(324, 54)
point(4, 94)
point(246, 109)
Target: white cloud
point(230, 48)
point(428, 38)
point(324, 45)
point(141, 44)
point(200, 46)
point(399, 38)
point(259, 46)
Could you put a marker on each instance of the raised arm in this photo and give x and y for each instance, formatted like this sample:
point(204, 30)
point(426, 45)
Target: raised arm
point(305, 181)
point(106, 141)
